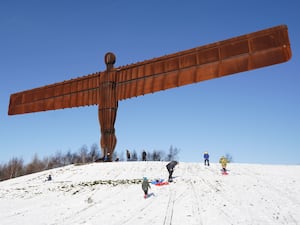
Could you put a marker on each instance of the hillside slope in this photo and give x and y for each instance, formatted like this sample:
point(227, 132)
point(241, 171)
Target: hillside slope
point(110, 193)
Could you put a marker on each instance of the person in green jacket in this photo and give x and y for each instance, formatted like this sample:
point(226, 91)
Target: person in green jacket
point(145, 186)
point(223, 162)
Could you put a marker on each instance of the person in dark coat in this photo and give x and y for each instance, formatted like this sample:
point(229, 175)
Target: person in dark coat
point(145, 186)
point(49, 177)
point(144, 156)
point(170, 167)
point(128, 155)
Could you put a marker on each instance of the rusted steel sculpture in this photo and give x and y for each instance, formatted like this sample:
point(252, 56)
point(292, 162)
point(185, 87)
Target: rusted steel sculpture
point(243, 53)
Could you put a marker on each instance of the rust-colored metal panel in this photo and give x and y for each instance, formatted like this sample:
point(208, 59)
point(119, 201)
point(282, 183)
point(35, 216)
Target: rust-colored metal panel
point(243, 53)
point(255, 50)
point(66, 94)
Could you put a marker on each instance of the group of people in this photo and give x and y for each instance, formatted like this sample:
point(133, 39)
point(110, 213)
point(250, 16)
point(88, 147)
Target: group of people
point(223, 161)
point(128, 155)
point(171, 165)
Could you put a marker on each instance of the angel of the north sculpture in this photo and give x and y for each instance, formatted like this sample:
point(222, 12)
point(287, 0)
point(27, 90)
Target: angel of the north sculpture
point(247, 52)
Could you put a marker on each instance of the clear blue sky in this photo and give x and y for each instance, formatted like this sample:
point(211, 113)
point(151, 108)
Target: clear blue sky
point(254, 116)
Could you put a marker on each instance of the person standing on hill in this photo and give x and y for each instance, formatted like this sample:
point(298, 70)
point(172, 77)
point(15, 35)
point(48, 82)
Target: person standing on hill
point(170, 167)
point(144, 156)
point(128, 155)
point(206, 158)
point(145, 186)
point(223, 162)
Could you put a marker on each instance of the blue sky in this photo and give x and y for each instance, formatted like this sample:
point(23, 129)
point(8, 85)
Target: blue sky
point(253, 116)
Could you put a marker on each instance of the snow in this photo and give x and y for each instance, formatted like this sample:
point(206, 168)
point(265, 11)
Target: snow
point(110, 193)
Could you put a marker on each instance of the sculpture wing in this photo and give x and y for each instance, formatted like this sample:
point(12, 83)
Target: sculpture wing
point(247, 52)
point(81, 91)
point(243, 53)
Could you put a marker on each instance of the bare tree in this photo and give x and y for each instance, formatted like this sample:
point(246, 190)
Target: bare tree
point(83, 154)
point(94, 153)
point(229, 157)
point(2, 172)
point(134, 156)
point(68, 158)
point(156, 155)
point(172, 154)
point(36, 165)
point(16, 167)
point(57, 160)
point(12, 169)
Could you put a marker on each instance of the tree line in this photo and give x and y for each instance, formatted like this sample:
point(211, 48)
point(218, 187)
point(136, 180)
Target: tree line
point(16, 167)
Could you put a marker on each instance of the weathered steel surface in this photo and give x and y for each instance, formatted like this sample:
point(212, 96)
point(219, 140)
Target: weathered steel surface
point(251, 51)
point(107, 110)
point(247, 52)
point(223, 58)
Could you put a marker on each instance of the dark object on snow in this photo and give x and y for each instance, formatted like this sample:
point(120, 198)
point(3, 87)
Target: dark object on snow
point(144, 156)
point(145, 185)
point(49, 177)
point(170, 167)
point(128, 155)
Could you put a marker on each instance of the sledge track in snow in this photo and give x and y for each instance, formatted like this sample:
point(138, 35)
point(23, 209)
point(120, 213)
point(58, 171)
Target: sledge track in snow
point(170, 208)
point(196, 206)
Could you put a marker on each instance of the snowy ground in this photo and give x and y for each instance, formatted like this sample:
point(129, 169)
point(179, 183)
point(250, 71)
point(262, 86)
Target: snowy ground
point(110, 193)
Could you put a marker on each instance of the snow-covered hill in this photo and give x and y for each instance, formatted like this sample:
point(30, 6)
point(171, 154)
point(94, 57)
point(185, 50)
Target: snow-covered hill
point(110, 193)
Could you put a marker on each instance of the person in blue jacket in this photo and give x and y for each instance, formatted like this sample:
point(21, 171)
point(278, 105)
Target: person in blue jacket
point(206, 158)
